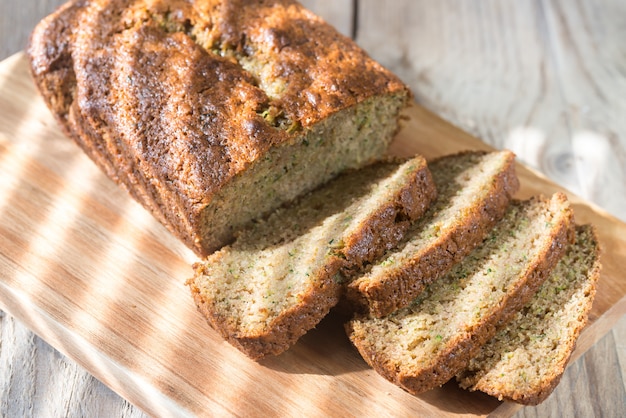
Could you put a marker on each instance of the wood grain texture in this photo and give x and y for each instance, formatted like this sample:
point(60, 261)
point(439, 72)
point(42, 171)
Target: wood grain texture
point(40, 381)
point(95, 275)
point(543, 78)
point(37, 380)
point(339, 13)
point(99, 279)
point(508, 88)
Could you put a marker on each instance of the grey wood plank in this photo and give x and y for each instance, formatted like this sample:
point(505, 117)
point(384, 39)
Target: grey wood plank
point(587, 43)
point(504, 71)
point(17, 20)
point(339, 13)
point(38, 381)
point(619, 335)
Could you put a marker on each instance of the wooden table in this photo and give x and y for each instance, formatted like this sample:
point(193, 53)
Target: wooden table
point(546, 79)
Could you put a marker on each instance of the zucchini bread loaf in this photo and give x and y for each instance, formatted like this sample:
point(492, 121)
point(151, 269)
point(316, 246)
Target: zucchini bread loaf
point(526, 359)
point(280, 276)
point(212, 113)
point(425, 344)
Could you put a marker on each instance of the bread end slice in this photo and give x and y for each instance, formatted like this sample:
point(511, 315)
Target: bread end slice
point(524, 362)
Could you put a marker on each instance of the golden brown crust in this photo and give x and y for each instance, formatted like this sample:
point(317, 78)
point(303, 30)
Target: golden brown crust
point(401, 286)
point(387, 227)
point(156, 94)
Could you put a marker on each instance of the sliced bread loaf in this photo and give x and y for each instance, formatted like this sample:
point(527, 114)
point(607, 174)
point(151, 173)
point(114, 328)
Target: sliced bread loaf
point(281, 276)
point(525, 360)
point(425, 344)
point(213, 113)
point(474, 190)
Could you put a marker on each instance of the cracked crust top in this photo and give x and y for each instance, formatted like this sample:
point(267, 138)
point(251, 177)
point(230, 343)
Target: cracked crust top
point(174, 99)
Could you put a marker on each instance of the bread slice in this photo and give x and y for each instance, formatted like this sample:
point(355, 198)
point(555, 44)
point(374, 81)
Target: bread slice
point(281, 276)
point(474, 190)
point(425, 344)
point(213, 113)
point(525, 360)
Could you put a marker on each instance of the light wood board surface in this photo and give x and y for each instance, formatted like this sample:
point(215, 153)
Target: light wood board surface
point(92, 273)
point(545, 78)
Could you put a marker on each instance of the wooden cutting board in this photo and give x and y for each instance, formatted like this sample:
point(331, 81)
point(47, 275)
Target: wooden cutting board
point(93, 274)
